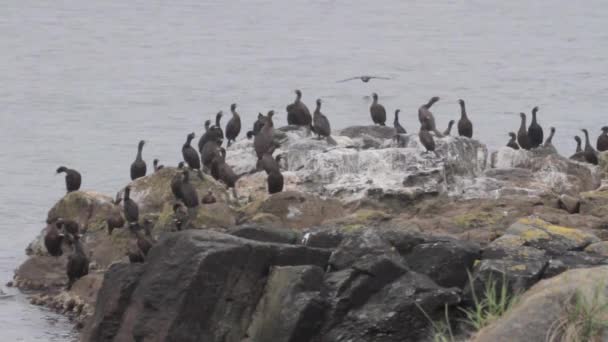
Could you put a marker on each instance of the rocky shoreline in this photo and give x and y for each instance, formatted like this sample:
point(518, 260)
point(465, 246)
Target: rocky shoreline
point(368, 239)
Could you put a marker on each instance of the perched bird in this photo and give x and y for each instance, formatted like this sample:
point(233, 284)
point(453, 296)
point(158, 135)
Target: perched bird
point(364, 78)
point(263, 141)
point(115, 219)
point(377, 111)
point(225, 172)
point(189, 153)
point(548, 140)
point(68, 226)
point(206, 136)
point(131, 210)
point(53, 239)
point(589, 152)
point(425, 136)
point(465, 127)
point(233, 127)
point(208, 198)
point(522, 134)
point(579, 155)
point(297, 112)
point(535, 131)
point(513, 141)
point(180, 216)
point(398, 128)
point(275, 182)
point(218, 126)
point(156, 166)
point(449, 129)
point(176, 181)
point(602, 140)
point(72, 178)
point(426, 118)
point(257, 126)
point(78, 263)
point(320, 122)
point(138, 167)
point(210, 151)
point(188, 191)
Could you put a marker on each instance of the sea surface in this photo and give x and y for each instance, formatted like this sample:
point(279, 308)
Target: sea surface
point(82, 81)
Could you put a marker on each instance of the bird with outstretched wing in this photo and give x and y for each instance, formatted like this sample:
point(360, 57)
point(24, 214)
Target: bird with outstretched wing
point(364, 78)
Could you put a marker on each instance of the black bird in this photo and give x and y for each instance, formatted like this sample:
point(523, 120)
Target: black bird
point(297, 112)
point(210, 151)
point(398, 128)
point(602, 140)
point(78, 263)
point(364, 78)
point(218, 125)
point(176, 181)
point(465, 127)
point(115, 219)
point(535, 132)
point(68, 226)
point(138, 249)
point(275, 182)
point(579, 155)
point(513, 141)
point(233, 127)
point(156, 166)
point(188, 192)
point(53, 239)
point(72, 178)
point(262, 141)
point(225, 172)
point(377, 111)
point(131, 210)
point(189, 153)
point(268, 163)
point(320, 122)
point(138, 167)
point(257, 126)
point(548, 140)
point(425, 137)
point(426, 118)
point(522, 134)
point(206, 136)
point(449, 129)
point(180, 216)
point(589, 152)
point(208, 198)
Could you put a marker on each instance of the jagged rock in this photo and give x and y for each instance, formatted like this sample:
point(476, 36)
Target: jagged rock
point(210, 296)
point(512, 247)
point(112, 301)
point(266, 234)
point(382, 304)
point(551, 238)
point(445, 262)
point(360, 247)
point(572, 260)
point(538, 312)
point(569, 204)
point(44, 271)
point(378, 132)
point(323, 238)
point(291, 308)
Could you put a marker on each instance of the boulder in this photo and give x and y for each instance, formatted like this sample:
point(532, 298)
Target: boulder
point(598, 248)
point(446, 262)
point(569, 203)
point(377, 132)
point(539, 312)
point(267, 234)
point(550, 171)
point(199, 286)
point(291, 308)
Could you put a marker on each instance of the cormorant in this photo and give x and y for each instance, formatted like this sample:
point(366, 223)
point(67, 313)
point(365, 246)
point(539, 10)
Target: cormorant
point(131, 210)
point(589, 152)
point(72, 178)
point(513, 141)
point(190, 155)
point(233, 127)
point(377, 111)
point(425, 116)
point(535, 132)
point(522, 134)
point(156, 166)
point(138, 167)
point(189, 195)
point(320, 122)
point(548, 140)
point(449, 129)
point(398, 128)
point(78, 263)
point(602, 140)
point(364, 78)
point(53, 239)
point(465, 127)
point(297, 112)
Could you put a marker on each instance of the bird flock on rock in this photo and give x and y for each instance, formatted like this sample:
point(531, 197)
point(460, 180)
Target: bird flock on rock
point(210, 159)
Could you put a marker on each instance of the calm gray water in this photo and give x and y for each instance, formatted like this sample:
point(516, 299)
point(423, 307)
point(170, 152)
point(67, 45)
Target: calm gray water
point(82, 82)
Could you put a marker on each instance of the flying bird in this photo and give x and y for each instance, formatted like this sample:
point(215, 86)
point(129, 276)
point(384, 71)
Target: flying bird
point(364, 78)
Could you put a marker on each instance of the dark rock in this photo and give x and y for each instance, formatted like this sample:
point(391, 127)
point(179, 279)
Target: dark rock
point(368, 311)
point(516, 275)
point(363, 245)
point(446, 262)
point(203, 286)
point(291, 308)
point(572, 260)
point(569, 203)
point(378, 132)
point(118, 285)
point(267, 234)
point(323, 238)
